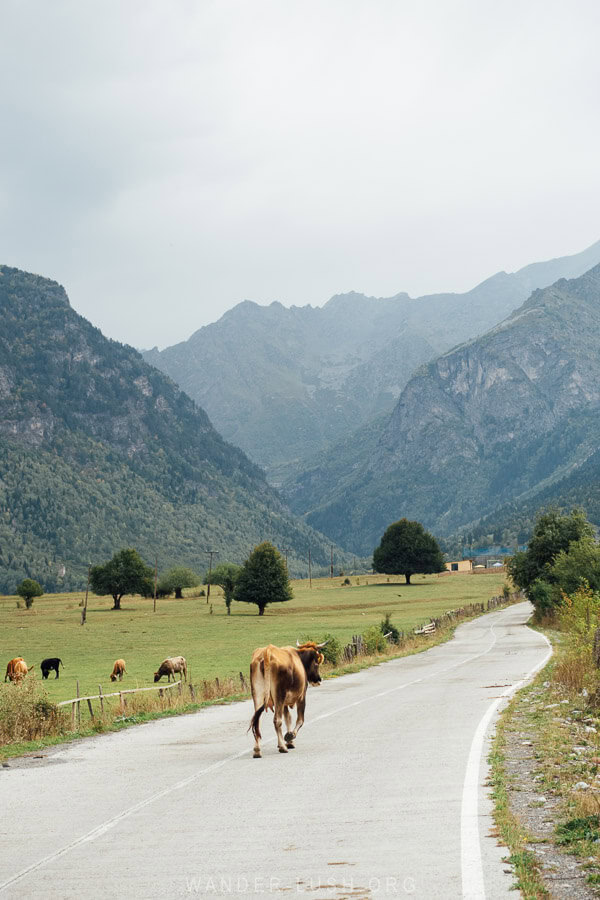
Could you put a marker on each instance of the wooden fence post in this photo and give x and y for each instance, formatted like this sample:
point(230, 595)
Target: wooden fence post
point(89, 703)
point(78, 709)
point(101, 699)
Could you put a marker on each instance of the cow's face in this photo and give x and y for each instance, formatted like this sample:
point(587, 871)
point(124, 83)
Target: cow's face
point(156, 677)
point(312, 669)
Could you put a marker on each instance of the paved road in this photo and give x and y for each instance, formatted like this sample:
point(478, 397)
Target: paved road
point(383, 796)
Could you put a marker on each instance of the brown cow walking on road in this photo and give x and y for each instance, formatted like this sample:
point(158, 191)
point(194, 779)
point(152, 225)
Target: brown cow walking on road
point(279, 678)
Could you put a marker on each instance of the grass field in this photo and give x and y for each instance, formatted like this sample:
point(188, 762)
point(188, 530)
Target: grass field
point(215, 645)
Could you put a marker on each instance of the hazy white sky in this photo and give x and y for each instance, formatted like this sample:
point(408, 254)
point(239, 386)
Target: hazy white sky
point(165, 160)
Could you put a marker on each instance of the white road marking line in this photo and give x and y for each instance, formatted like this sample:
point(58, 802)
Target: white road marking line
point(115, 820)
point(473, 887)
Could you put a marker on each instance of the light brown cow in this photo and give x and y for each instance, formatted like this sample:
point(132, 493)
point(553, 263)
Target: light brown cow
point(279, 678)
point(20, 670)
point(11, 668)
point(118, 670)
point(170, 666)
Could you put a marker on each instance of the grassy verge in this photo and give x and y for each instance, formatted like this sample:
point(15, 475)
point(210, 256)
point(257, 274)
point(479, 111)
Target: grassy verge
point(510, 830)
point(548, 806)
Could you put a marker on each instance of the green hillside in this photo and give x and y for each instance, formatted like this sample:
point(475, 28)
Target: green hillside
point(98, 450)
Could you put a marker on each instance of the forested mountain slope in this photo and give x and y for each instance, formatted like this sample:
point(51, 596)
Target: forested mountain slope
point(497, 417)
point(99, 450)
point(285, 383)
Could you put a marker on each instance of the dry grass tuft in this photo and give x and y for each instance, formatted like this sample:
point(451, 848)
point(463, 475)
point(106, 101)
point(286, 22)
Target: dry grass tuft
point(27, 714)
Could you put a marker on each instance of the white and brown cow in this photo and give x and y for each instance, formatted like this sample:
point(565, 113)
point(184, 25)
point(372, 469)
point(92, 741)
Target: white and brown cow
point(279, 678)
point(170, 667)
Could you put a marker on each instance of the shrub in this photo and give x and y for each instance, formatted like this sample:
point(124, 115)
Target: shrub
point(374, 641)
point(346, 581)
point(387, 627)
point(26, 713)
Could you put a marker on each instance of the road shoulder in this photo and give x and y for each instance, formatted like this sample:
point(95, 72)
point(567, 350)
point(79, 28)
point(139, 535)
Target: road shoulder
point(545, 764)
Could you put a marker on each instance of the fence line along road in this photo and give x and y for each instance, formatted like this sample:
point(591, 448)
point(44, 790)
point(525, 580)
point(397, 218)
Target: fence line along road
point(76, 702)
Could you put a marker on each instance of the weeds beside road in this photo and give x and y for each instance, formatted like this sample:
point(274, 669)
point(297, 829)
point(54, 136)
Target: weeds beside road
point(546, 764)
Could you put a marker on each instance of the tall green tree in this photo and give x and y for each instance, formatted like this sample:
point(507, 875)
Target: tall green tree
point(28, 589)
point(125, 573)
point(263, 579)
point(405, 549)
point(553, 532)
point(176, 579)
point(225, 575)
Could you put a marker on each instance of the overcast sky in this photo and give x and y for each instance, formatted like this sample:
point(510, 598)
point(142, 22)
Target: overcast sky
point(165, 160)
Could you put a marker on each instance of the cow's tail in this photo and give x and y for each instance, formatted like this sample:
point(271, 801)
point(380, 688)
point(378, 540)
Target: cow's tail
point(267, 683)
point(254, 722)
point(61, 663)
point(266, 704)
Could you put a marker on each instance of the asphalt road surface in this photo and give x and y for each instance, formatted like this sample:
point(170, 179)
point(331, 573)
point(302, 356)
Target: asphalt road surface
point(383, 796)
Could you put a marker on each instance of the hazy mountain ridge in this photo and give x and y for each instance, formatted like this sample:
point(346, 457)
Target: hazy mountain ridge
point(482, 424)
point(283, 383)
point(99, 450)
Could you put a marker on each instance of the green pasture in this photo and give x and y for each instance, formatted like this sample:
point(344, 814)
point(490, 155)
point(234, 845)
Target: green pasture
point(215, 645)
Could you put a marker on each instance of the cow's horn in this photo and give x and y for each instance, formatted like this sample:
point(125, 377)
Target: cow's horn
point(298, 644)
point(324, 644)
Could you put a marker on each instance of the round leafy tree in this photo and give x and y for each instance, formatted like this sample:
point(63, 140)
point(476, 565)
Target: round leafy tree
point(176, 579)
point(28, 589)
point(125, 573)
point(225, 575)
point(405, 549)
point(263, 578)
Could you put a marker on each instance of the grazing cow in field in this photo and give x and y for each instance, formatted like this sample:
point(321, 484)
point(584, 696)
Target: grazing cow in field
point(11, 668)
point(20, 670)
point(170, 666)
point(279, 677)
point(118, 670)
point(52, 663)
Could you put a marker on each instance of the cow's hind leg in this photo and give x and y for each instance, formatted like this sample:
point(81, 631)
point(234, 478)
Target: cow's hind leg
point(288, 737)
point(278, 718)
point(292, 735)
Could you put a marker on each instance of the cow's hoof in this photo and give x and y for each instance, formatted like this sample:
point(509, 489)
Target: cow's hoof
point(290, 746)
point(257, 754)
point(282, 750)
point(289, 737)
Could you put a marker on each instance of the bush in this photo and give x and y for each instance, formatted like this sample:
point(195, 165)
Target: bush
point(26, 713)
point(374, 641)
point(387, 627)
point(346, 581)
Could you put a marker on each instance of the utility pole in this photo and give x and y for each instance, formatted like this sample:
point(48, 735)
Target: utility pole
point(331, 564)
point(155, 579)
point(211, 553)
point(286, 550)
point(87, 588)
point(309, 571)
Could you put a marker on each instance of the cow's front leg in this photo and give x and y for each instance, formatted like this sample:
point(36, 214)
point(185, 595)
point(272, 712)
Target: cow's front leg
point(289, 737)
point(278, 717)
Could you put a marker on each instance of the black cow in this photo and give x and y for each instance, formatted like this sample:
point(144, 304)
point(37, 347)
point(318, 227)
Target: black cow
point(48, 664)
